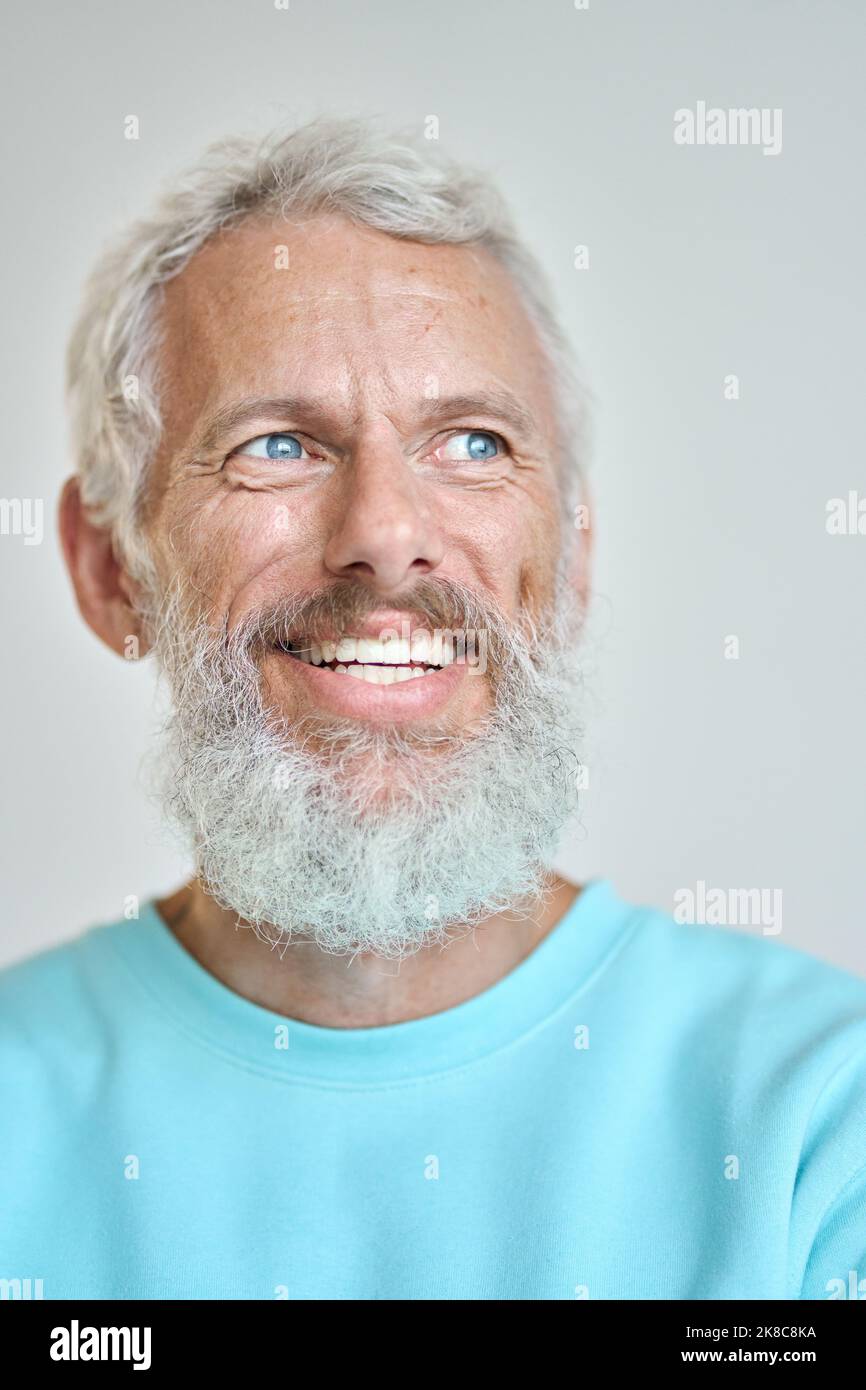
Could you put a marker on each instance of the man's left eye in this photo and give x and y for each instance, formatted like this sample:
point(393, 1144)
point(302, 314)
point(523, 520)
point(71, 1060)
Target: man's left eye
point(273, 446)
point(474, 445)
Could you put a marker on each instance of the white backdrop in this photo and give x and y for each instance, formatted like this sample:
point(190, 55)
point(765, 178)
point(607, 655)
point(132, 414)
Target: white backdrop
point(704, 261)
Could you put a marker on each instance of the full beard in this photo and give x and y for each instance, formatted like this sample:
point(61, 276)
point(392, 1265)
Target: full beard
point(364, 839)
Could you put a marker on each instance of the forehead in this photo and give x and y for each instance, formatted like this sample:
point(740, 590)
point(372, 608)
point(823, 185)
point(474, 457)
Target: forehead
point(270, 306)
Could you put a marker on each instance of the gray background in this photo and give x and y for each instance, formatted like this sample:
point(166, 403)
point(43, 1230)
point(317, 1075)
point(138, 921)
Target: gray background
point(711, 513)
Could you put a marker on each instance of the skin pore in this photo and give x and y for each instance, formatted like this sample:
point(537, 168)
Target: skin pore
point(406, 385)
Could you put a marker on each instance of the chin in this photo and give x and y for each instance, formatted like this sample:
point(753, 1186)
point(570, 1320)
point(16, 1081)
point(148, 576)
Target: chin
point(380, 769)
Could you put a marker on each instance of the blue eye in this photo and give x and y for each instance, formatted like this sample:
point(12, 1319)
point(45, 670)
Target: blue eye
point(273, 446)
point(478, 446)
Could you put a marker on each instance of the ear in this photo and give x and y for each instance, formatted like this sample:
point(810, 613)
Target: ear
point(104, 591)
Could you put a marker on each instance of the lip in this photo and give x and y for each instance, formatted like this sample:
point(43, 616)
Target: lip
point(386, 704)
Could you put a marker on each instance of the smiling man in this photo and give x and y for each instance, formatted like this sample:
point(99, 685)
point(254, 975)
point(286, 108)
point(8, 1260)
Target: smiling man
point(328, 453)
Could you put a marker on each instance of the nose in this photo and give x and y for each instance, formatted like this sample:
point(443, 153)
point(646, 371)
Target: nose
point(385, 536)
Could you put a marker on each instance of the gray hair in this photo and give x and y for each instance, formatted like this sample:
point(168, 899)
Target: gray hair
point(391, 183)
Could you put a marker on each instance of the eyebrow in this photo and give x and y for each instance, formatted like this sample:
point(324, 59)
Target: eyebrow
point(493, 402)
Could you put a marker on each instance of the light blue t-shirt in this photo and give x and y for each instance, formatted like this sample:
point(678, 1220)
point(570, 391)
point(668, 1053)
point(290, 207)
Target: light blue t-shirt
point(639, 1110)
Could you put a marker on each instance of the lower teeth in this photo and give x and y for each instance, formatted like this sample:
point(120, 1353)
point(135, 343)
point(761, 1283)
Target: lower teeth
point(383, 675)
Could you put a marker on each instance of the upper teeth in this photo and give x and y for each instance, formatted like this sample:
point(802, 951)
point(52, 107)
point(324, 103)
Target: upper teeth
point(431, 648)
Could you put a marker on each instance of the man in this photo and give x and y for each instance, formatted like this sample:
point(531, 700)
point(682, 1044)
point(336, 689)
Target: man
point(328, 457)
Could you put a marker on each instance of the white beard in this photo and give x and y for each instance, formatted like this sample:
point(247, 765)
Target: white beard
point(364, 839)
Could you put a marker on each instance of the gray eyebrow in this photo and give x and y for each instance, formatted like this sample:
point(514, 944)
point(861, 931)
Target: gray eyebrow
point(229, 417)
point(494, 402)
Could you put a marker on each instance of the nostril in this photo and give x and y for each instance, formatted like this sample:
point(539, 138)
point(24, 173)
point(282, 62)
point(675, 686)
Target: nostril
point(359, 567)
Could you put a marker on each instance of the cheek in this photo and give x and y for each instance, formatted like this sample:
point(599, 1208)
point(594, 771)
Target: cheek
point(219, 544)
point(511, 548)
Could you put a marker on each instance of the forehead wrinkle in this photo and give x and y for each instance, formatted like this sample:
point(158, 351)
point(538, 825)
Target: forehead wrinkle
point(375, 294)
point(200, 305)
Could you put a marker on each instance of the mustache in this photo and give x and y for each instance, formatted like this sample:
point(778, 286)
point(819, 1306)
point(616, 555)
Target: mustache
point(441, 603)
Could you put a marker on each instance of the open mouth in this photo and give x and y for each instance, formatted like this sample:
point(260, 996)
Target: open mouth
point(374, 660)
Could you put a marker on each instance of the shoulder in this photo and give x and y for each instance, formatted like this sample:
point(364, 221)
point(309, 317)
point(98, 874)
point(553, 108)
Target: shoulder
point(773, 1039)
point(53, 1005)
point(750, 967)
point(55, 966)
point(756, 1017)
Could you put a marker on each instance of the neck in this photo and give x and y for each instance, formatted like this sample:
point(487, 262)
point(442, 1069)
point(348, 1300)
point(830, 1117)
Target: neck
point(301, 981)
